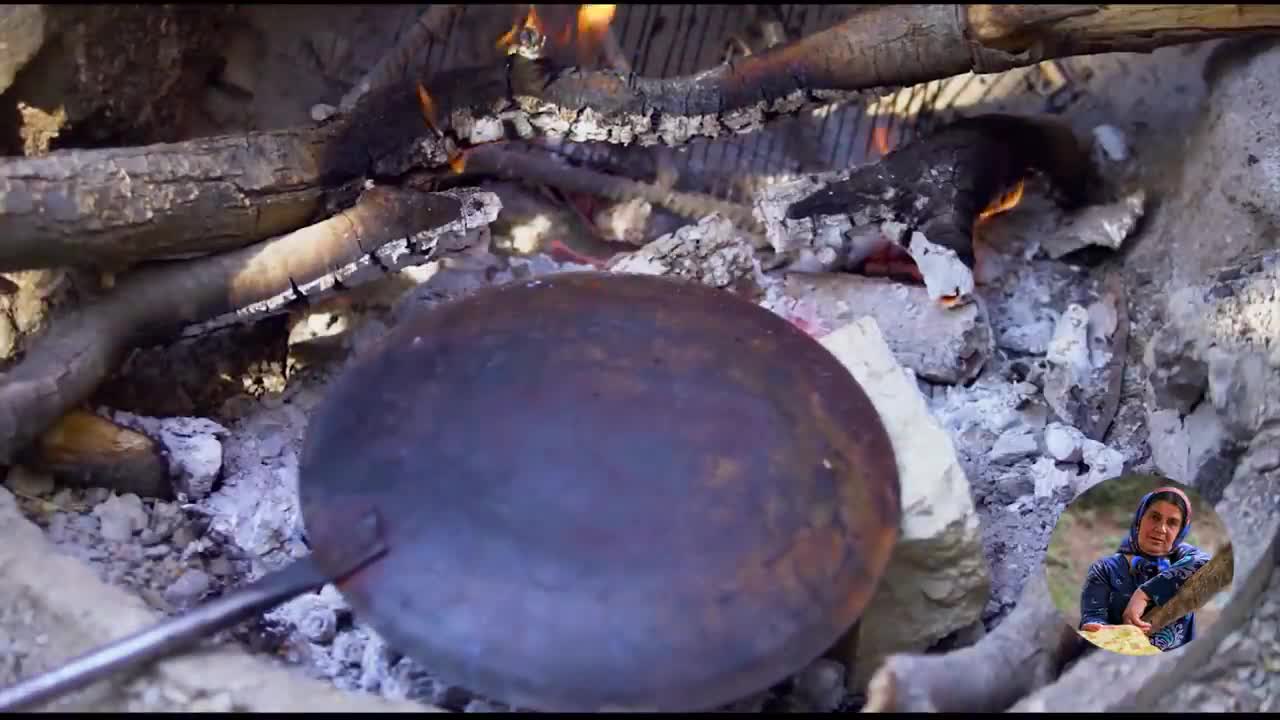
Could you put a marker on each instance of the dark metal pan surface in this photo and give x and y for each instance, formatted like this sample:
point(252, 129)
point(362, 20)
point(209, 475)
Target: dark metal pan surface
point(604, 491)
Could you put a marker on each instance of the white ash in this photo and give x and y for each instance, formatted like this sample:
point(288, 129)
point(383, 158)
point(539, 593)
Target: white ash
point(945, 275)
point(1110, 142)
point(190, 446)
point(713, 252)
point(1106, 226)
point(939, 344)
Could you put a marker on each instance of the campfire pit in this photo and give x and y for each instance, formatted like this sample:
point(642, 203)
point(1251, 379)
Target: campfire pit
point(1061, 193)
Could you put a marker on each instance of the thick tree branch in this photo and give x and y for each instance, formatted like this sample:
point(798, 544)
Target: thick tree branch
point(384, 228)
point(1209, 580)
point(1027, 650)
point(123, 205)
point(879, 47)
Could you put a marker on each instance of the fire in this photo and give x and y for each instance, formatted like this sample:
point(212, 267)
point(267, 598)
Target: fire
point(595, 17)
point(524, 37)
point(458, 163)
point(880, 136)
point(1004, 203)
point(428, 108)
point(593, 26)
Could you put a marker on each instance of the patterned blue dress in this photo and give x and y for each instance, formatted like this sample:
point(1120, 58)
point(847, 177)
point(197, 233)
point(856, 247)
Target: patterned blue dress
point(1112, 580)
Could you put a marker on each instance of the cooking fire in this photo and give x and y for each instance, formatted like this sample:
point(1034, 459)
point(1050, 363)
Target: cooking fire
point(626, 357)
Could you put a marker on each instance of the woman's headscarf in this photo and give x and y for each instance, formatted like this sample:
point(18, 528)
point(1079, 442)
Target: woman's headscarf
point(1129, 546)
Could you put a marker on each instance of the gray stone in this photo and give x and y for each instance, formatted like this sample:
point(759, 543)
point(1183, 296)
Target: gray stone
point(820, 687)
point(1014, 445)
point(23, 30)
point(938, 580)
point(1063, 442)
point(190, 586)
point(120, 516)
point(1086, 361)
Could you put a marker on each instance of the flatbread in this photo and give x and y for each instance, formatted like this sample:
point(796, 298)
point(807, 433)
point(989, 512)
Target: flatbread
point(1122, 639)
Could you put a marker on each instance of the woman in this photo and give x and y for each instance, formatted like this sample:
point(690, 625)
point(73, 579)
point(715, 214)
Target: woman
point(1150, 566)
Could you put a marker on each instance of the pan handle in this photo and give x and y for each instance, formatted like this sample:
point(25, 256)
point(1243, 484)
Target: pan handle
point(180, 632)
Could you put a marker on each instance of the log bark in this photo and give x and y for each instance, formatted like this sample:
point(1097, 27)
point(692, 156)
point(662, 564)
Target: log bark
point(118, 206)
point(384, 228)
point(885, 46)
point(1026, 651)
point(86, 450)
point(90, 207)
point(1206, 582)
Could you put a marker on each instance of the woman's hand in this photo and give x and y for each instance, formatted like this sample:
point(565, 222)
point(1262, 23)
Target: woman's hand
point(1134, 610)
point(1092, 627)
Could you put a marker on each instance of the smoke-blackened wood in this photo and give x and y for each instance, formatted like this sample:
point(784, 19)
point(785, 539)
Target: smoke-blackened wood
point(63, 367)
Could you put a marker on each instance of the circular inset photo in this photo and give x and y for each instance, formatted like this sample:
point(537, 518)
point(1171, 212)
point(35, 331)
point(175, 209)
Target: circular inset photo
point(1139, 565)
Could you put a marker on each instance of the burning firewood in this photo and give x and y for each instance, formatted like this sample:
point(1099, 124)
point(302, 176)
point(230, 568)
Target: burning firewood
point(387, 228)
point(928, 197)
point(280, 176)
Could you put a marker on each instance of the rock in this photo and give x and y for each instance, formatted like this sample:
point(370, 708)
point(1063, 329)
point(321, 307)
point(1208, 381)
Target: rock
point(1048, 478)
point(712, 252)
point(937, 580)
point(23, 481)
point(1217, 338)
point(1086, 361)
point(941, 345)
point(23, 30)
point(1014, 445)
point(120, 516)
point(1104, 464)
point(1111, 142)
point(1176, 377)
point(190, 586)
point(191, 445)
point(820, 686)
point(1063, 442)
point(1196, 449)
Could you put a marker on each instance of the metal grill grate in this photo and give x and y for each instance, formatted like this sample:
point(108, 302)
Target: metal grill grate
point(681, 39)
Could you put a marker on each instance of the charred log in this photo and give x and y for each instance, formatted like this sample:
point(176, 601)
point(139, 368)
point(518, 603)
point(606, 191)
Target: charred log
point(939, 185)
point(64, 366)
point(1026, 651)
point(182, 200)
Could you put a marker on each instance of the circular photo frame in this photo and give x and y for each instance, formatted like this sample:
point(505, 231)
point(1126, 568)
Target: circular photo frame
point(1139, 565)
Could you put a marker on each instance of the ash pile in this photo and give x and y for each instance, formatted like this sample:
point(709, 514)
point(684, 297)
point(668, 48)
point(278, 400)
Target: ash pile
point(1018, 354)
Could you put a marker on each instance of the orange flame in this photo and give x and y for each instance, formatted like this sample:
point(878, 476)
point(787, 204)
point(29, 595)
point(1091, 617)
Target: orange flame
point(428, 108)
point(1004, 203)
point(531, 21)
point(458, 163)
point(595, 19)
point(880, 136)
point(593, 24)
